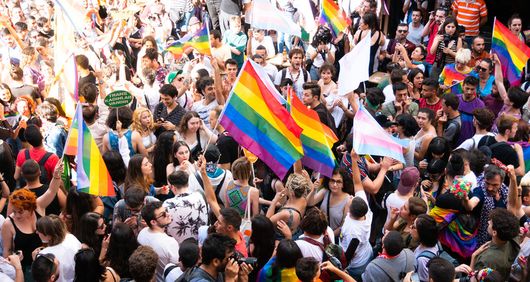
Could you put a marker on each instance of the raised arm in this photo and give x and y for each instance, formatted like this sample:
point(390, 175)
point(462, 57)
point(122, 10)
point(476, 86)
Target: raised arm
point(499, 79)
point(48, 196)
point(514, 194)
point(209, 193)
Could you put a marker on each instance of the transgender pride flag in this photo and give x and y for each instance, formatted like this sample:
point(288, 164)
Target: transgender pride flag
point(369, 138)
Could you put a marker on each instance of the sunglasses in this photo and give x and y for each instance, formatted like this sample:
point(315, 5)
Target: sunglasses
point(162, 214)
point(479, 68)
point(402, 31)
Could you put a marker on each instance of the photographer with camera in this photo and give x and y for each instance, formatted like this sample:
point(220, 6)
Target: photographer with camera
point(445, 45)
point(320, 51)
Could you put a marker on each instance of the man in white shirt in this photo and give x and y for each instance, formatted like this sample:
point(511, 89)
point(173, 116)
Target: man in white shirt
point(220, 51)
point(482, 120)
point(258, 38)
point(295, 72)
point(269, 68)
point(355, 231)
point(317, 234)
point(157, 218)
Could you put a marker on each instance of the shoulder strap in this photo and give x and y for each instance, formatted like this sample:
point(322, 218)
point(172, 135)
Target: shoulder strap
point(327, 206)
point(387, 268)
point(498, 144)
point(220, 185)
point(199, 179)
point(26, 154)
point(293, 209)
point(112, 273)
point(313, 242)
point(284, 74)
point(46, 156)
point(168, 270)
point(426, 254)
point(304, 72)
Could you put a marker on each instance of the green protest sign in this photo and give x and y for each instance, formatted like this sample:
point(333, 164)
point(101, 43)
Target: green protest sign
point(118, 99)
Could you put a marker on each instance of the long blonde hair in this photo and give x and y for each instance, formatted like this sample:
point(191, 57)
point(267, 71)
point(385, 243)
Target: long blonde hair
point(137, 123)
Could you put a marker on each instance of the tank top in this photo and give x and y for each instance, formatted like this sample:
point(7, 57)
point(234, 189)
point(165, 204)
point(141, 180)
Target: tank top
point(335, 213)
point(25, 242)
point(373, 51)
point(237, 197)
point(53, 207)
point(149, 140)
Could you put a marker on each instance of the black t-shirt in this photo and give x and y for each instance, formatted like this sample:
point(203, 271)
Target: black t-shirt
point(90, 78)
point(228, 147)
point(53, 207)
point(325, 117)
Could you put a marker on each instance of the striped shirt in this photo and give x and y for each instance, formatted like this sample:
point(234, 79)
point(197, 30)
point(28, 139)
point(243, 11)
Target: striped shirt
point(468, 14)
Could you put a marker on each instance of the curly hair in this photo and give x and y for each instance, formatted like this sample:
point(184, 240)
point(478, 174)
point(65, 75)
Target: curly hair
point(23, 199)
point(31, 104)
point(504, 223)
point(137, 123)
point(314, 222)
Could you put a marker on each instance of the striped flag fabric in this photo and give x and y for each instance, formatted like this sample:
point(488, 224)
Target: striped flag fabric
point(264, 15)
point(200, 41)
point(256, 119)
point(92, 174)
point(512, 52)
point(369, 138)
point(336, 19)
point(317, 138)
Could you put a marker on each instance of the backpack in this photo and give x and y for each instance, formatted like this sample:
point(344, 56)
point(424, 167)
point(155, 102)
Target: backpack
point(304, 73)
point(330, 252)
point(44, 178)
point(441, 253)
point(389, 268)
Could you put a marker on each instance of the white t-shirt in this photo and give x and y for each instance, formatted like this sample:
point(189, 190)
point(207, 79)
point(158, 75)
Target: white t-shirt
point(164, 245)
point(472, 143)
point(358, 229)
point(267, 43)
point(310, 250)
point(336, 112)
point(388, 91)
point(222, 53)
point(319, 60)
point(393, 201)
point(414, 35)
point(65, 252)
point(271, 70)
point(298, 80)
point(204, 110)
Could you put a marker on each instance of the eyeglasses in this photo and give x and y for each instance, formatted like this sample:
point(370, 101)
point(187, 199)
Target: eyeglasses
point(162, 214)
point(402, 31)
point(20, 198)
point(333, 181)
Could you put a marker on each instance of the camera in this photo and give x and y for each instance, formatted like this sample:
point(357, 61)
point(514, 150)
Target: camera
point(249, 261)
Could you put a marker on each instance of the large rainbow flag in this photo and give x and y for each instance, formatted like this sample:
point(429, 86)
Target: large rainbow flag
point(317, 138)
point(92, 174)
point(200, 41)
point(512, 52)
point(451, 77)
point(336, 19)
point(257, 120)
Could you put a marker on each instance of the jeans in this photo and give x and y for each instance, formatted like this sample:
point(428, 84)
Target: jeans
point(357, 272)
point(314, 72)
point(214, 8)
point(184, 21)
point(284, 41)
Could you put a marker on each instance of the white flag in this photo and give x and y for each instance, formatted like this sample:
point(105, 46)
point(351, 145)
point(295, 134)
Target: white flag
point(354, 66)
point(265, 16)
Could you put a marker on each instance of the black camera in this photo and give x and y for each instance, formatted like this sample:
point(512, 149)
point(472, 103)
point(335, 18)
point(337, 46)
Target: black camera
point(240, 259)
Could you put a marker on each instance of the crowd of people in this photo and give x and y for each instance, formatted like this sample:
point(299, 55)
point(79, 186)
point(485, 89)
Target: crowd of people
point(190, 205)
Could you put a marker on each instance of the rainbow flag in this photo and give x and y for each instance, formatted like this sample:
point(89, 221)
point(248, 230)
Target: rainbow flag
point(92, 174)
point(451, 76)
point(257, 120)
point(455, 235)
point(512, 52)
point(200, 41)
point(317, 138)
point(369, 138)
point(336, 19)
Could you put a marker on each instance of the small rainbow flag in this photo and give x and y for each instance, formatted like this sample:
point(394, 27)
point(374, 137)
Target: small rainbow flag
point(317, 138)
point(92, 174)
point(336, 19)
point(200, 41)
point(254, 116)
point(450, 76)
point(512, 52)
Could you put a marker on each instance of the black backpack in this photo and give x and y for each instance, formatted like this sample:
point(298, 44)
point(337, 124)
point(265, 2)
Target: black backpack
point(44, 177)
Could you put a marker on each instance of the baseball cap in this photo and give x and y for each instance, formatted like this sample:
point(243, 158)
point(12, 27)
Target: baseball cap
point(409, 178)
point(172, 75)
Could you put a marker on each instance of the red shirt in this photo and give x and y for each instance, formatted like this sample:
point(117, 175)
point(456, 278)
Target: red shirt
point(434, 30)
point(435, 107)
point(37, 154)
